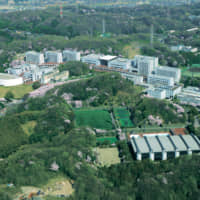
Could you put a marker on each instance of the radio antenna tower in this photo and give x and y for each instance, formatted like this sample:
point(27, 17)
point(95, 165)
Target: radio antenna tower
point(103, 26)
point(152, 35)
point(61, 12)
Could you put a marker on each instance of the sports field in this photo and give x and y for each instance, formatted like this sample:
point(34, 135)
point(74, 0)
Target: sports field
point(112, 140)
point(96, 118)
point(123, 117)
point(18, 91)
point(107, 156)
point(193, 71)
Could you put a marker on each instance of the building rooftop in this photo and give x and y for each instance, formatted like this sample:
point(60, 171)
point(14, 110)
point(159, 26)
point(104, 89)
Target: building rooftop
point(93, 56)
point(7, 76)
point(108, 57)
point(168, 68)
point(120, 60)
point(159, 143)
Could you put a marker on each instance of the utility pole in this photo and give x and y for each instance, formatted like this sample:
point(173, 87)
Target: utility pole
point(151, 35)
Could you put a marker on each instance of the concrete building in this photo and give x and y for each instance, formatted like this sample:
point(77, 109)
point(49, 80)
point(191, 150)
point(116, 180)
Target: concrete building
point(184, 48)
point(33, 57)
point(171, 91)
point(145, 65)
point(157, 93)
point(120, 63)
point(10, 80)
point(163, 147)
point(69, 55)
point(53, 57)
point(104, 60)
point(92, 59)
point(190, 95)
point(160, 80)
point(169, 72)
point(137, 79)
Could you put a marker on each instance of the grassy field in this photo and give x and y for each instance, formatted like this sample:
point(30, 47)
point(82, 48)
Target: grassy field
point(29, 127)
point(188, 72)
point(107, 156)
point(18, 91)
point(93, 118)
point(123, 117)
point(110, 139)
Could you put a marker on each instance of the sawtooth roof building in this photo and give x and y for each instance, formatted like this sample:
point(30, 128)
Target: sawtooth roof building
point(164, 146)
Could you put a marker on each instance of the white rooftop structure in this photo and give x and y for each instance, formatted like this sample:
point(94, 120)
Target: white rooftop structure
point(93, 59)
point(160, 80)
point(164, 146)
point(120, 63)
point(169, 72)
point(108, 57)
point(10, 80)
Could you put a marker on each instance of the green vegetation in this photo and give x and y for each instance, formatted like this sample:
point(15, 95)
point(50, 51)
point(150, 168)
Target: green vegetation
point(123, 116)
point(106, 140)
point(164, 110)
point(11, 136)
point(9, 96)
point(18, 91)
point(36, 85)
point(94, 118)
point(75, 68)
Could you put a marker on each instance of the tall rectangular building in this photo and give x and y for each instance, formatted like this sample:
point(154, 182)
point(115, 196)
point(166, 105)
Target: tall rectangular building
point(145, 64)
point(53, 57)
point(33, 57)
point(69, 55)
point(169, 72)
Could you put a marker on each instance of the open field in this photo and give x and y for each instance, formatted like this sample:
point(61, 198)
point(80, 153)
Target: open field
point(107, 156)
point(191, 72)
point(18, 91)
point(123, 116)
point(29, 127)
point(112, 140)
point(59, 186)
point(93, 118)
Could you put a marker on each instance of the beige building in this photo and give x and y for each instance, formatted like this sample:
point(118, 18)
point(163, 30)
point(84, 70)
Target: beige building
point(55, 77)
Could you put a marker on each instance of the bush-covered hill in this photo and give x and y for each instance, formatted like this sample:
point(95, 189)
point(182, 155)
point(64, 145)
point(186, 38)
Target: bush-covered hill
point(104, 89)
point(11, 135)
point(166, 111)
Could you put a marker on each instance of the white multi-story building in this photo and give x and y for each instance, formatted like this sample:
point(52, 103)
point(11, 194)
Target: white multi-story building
point(53, 57)
point(69, 55)
point(120, 63)
point(92, 59)
point(33, 57)
point(160, 80)
point(145, 65)
point(157, 93)
point(190, 95)
point(169, 72)
point(137, 80)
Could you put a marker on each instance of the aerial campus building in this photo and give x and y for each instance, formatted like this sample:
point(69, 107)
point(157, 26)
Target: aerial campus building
point(164, 146)
point(53, 57)
point(10, 80)
point(93, 59)
point(33, 57)
point(169, 72)
point(69, 55)
point(145, 65)
point(160, 80)
point(120, 63)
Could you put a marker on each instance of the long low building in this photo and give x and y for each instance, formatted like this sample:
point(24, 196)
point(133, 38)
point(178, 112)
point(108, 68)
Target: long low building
point(10, 80)
point(163, 147)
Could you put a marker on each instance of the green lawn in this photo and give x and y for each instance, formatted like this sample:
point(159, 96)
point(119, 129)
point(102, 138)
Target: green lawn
point(186, 72)
point(123, 117)
point(93, 118)
point(18, 91)
point(110, 139)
